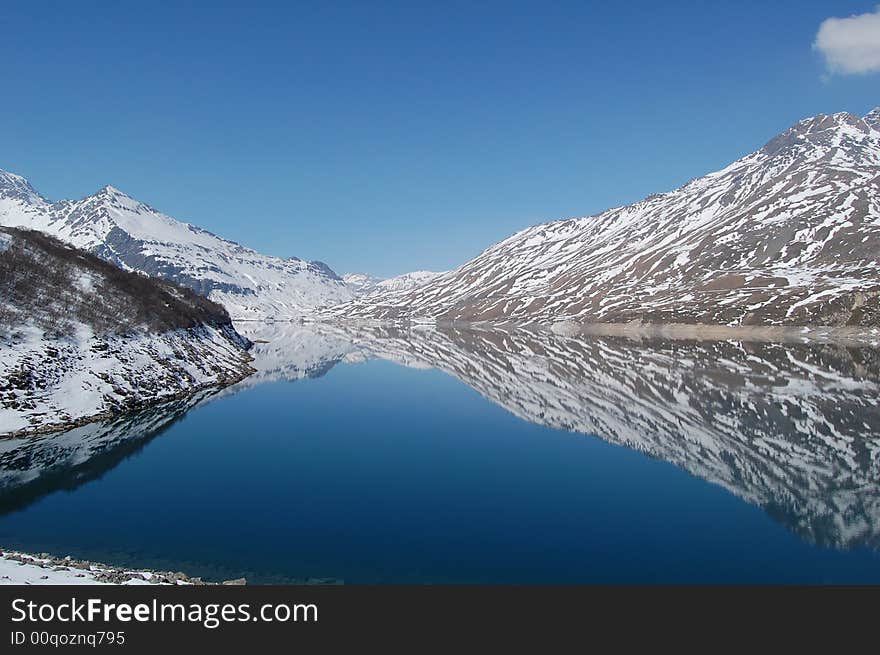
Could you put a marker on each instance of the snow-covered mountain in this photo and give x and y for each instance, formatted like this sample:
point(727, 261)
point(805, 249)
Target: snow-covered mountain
point(789, 234)
point(81, 339)
point(363, 284)
point(135, 236)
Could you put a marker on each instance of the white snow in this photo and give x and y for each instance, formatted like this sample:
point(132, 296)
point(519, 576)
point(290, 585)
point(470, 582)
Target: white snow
point(14, 572)
point(249, 284)
point(84, 376)
point(364, 284)
point(761, 238)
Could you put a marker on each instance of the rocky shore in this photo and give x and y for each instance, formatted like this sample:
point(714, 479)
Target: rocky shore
point(48, 385)
point(44, 569)
point(856, 335)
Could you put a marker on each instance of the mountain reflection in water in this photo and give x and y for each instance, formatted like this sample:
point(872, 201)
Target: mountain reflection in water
point(793, 428)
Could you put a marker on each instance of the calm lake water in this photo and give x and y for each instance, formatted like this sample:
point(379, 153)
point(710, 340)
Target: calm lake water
point(440, 456)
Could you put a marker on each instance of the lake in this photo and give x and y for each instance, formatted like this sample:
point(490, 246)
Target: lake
point(382, 455)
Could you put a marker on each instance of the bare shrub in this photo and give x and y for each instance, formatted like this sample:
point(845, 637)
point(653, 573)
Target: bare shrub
point(52, 284)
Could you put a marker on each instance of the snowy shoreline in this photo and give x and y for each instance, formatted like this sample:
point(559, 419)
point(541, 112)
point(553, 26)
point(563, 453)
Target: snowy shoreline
point(868, 336)
point(52, 385)
point(22, 569)
point(64, 426)
point(637, 330)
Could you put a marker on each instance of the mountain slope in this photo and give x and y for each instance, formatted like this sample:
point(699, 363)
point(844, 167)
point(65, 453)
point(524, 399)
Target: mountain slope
point(135, 236)
point(81, 339)
point(789, 234)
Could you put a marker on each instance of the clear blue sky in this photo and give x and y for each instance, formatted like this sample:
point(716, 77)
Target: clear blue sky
point(386, 137)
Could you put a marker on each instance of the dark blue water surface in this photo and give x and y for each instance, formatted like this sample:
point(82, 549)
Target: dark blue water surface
point(379, 473)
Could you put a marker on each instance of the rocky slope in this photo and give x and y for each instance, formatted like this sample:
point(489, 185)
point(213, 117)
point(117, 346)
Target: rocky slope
point(137, 237)
point(789, 234)
point(81, 339)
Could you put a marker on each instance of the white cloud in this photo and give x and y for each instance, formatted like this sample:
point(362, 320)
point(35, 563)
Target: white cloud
point(850, 45)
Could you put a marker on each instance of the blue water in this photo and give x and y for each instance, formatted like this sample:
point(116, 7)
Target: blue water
point(376, 473)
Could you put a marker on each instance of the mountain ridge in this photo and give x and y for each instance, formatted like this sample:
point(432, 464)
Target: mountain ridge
point(135, 236)
point(786, 235)
point(365, 284)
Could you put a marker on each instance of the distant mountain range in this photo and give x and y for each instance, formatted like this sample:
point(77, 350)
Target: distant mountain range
point(137, 237)
point(363, 284)
point(788, 235)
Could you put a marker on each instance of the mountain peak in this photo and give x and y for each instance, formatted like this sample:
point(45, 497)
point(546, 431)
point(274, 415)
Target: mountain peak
point(785, 236)
point(113, 196)
point(323, 269)
point(112, 191)
point(135, 236)
point(816, 130)
point(6, 176)
point(16, 186)
point(823, 122)
point(872, 118)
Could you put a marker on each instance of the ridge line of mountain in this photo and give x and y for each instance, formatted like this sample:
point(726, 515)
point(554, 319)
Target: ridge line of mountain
point(786, 235)
point(135, 236)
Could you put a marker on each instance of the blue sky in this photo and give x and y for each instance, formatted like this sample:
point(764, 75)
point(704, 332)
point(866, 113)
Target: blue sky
point(386, 137)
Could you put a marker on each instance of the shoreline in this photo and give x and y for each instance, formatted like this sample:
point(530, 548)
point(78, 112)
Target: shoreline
point(64, 426)
point(17, 568)
point(844, 335)
point(865, 336)
point(636, 330)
